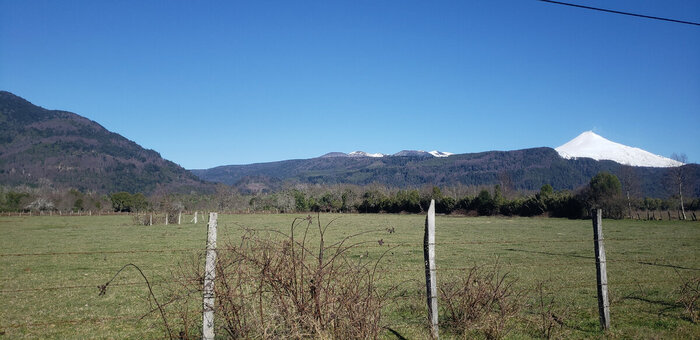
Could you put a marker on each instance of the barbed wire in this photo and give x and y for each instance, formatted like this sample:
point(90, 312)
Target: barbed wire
point(416, 271)
point(369, 245)
point(105, 252)
point(612, 285)
point(75, 321)
point(374, 244)
point(406, 321)
point(95, 286)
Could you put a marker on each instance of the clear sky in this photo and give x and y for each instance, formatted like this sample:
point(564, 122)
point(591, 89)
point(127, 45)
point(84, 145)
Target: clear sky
point(214, 83)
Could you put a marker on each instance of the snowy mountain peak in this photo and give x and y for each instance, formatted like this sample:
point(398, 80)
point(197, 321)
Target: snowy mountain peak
point(440, 153)
point(411, 153)
point(591, 145)
point(365, 154)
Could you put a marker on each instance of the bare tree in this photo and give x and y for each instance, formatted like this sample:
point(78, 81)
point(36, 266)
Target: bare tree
point(679, 177)
point(630, 184)
point(506, 184)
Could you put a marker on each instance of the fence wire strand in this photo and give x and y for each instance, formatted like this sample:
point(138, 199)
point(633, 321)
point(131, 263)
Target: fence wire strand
point(374, 244)
point(369, 245)
point(95, 286)
point(75, 321)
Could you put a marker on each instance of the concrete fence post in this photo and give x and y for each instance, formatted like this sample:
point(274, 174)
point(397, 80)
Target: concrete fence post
point(430, 271)
point(209, 276)
point(601, 269)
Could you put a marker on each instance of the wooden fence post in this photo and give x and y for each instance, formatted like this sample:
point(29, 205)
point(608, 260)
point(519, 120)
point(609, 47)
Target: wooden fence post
point(179, 216)
point(430, 278)
point(166, 217)
point(601, 269)
point(209, 276)
point(194, 219)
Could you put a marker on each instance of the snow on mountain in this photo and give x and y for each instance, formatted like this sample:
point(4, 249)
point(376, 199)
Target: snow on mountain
point(334, 155)
point(440, 153)
point(365, 154)
point(413, 153)
point(421, 153)
point(591, 145)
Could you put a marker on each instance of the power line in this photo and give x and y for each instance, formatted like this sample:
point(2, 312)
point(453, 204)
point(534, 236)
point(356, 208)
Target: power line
point(623, 13)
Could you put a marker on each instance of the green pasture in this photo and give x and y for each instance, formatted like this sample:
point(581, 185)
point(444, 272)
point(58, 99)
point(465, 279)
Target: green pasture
point(50, 268)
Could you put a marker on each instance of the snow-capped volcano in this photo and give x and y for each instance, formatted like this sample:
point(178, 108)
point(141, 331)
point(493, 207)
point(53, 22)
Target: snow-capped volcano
point(591, 145)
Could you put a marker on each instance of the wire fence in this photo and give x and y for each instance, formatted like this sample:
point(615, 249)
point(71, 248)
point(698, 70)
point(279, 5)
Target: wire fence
point(570, 261)
point(368, 244)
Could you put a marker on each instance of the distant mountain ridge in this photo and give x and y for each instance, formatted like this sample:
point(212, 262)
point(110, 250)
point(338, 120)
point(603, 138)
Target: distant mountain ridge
point(40, 147)
point(62, 149)
point(402, 153)
point(526, 169)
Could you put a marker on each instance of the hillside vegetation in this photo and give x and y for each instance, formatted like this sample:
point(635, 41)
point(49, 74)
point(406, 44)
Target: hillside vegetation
point(40, 147)
point(527, 170)
point(70, 162)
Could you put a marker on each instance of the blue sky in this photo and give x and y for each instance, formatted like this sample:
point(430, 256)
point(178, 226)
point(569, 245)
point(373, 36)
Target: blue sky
point(214, 83)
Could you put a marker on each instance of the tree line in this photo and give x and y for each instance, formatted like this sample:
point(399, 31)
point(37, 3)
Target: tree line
point(604, 190)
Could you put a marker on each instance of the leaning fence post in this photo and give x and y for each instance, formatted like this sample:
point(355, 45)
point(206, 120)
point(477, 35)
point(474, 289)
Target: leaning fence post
point(429, 256)
point(209, 275)
point(601, 269)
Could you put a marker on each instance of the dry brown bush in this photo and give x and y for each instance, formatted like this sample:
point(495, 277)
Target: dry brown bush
point(139, 219)
point(480, 301)
point(689, 295)
point(547, 320)
point(270, 288)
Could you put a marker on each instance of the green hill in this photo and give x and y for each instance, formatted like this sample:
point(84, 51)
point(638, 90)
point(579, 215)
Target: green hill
point(40, 147)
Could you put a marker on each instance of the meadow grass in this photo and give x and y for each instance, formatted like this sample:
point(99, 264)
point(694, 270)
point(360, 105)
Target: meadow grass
point(55, 294)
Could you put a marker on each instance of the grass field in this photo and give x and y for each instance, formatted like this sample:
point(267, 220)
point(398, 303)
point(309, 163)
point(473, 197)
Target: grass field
point(50, 268)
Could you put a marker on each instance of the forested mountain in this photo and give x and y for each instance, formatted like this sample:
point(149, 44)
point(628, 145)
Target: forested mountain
point(40, 147)
point(526, 169)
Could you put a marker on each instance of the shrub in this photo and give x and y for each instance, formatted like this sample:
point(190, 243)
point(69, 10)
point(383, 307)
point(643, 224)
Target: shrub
point(547, 320)
point(480, 301)
point(268, 288)
point(689, 293)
